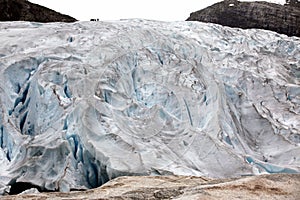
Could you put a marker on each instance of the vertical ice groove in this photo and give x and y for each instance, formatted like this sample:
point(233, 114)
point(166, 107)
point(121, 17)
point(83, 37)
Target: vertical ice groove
point(1, 136)
point(67, 90)
point(65, 127)
point(188, 111)
point(6, 144)
point(74, 143)
point(22, 122)
point(22, 97)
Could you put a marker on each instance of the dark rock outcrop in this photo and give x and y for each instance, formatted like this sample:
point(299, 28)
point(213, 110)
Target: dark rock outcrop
point(23, 10)
point(284, 19)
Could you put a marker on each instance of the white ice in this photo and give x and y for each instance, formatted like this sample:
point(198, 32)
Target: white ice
point(83, 103)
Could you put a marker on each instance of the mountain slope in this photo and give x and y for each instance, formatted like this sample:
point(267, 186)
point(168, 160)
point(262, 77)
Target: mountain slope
point(261, 15)
point(23, 10)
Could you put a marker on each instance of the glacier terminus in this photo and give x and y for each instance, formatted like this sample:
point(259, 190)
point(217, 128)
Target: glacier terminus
point(83, 103)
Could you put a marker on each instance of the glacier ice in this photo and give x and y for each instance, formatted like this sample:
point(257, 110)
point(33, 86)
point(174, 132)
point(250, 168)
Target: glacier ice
point(86, 102)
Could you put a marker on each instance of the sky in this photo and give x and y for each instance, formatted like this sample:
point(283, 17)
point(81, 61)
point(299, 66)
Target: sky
point(164, 10)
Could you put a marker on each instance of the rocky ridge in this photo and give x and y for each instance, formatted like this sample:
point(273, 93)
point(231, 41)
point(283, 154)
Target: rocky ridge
point(23, 10)
point(284, 19)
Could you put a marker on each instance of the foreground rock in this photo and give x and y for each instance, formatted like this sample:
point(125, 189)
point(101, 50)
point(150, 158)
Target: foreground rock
point(84, 103)
point(277, 186)
point(262, 15)
point(23, 10)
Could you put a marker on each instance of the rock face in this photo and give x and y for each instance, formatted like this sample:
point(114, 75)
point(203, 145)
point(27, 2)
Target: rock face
point(83, 103)
point(279, 187)
point(23, 10)
point(260, 15)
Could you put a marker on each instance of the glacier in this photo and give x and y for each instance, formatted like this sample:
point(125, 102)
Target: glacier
point(86, 102)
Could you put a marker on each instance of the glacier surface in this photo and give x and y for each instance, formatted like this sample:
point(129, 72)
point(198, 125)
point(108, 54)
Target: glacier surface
point(83, 103)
